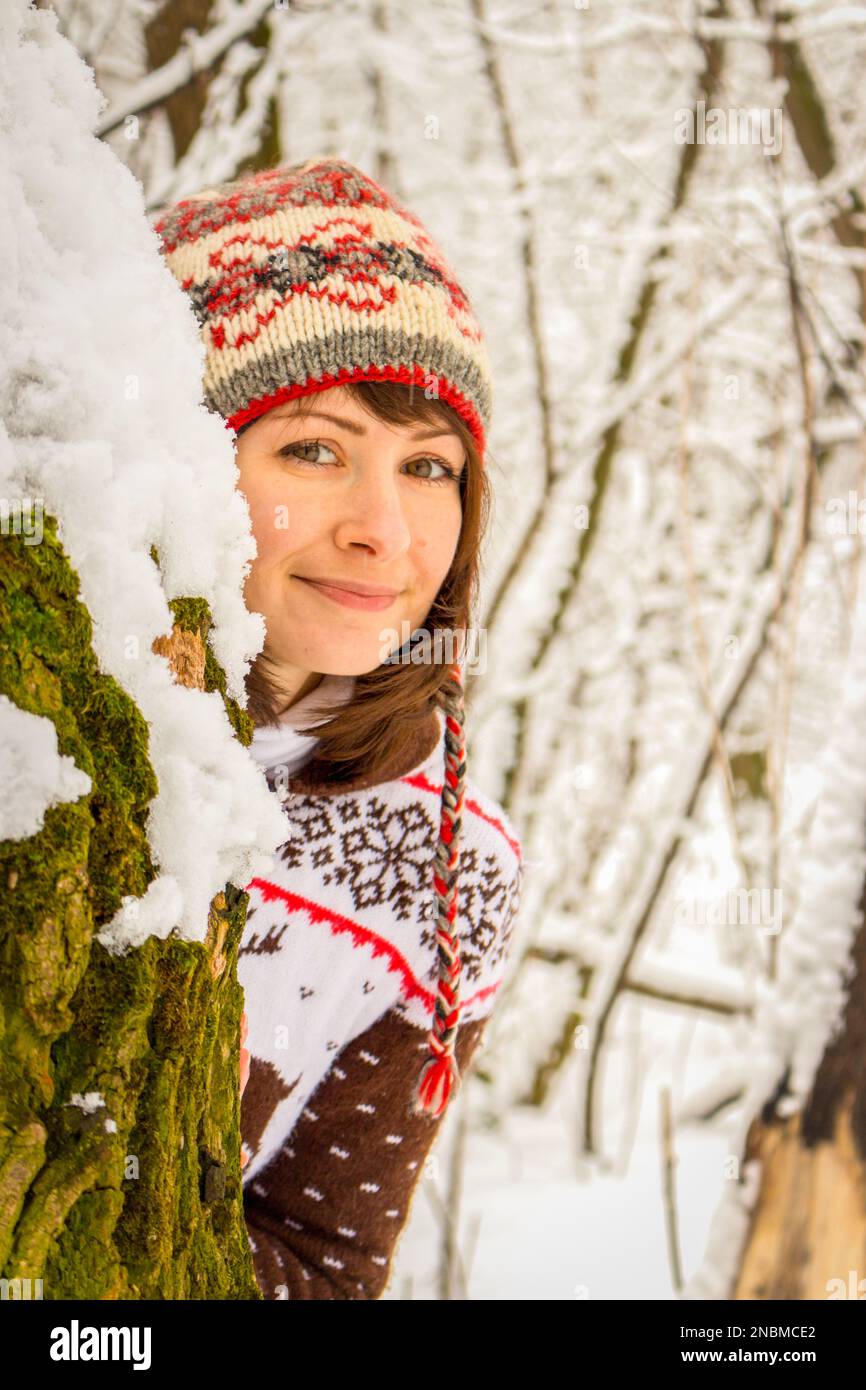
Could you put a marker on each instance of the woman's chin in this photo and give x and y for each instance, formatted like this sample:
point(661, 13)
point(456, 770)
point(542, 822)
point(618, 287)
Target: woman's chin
point(332, 660)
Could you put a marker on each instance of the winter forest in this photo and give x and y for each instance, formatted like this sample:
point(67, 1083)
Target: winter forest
point(658, 211)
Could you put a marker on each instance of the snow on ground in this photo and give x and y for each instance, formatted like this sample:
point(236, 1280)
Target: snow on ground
point(556, 1228)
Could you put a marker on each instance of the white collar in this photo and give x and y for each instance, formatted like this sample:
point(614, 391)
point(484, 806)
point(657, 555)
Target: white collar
point(284, 745)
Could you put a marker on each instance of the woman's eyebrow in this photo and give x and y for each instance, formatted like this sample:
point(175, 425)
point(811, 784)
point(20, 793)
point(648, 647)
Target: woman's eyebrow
point(354, 428)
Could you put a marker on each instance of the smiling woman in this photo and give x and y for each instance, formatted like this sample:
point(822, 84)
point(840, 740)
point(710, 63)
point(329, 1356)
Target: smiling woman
point(364, 512)
point(341, 348)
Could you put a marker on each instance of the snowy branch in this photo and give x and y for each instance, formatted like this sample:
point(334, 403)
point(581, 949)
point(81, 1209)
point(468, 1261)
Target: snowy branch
point(198, 53)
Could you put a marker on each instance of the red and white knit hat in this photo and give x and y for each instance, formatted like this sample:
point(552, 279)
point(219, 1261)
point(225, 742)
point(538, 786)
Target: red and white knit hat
point(309, 276)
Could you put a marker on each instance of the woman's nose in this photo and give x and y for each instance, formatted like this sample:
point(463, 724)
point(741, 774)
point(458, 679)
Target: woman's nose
point(374, 513)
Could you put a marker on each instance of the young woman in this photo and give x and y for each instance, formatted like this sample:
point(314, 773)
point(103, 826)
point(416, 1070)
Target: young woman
point(341, 349)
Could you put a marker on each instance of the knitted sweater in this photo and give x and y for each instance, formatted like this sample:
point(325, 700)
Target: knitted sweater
point(338, 965)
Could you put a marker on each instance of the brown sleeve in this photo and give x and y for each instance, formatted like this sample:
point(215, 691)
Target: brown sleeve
point(324, 1215)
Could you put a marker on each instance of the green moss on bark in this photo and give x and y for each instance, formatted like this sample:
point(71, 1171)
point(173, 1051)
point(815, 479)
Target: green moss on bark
point(194, 615)
point(109, 1202)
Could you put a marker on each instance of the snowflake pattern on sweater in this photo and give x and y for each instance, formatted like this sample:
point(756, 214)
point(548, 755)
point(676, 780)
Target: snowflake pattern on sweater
point(338, 965)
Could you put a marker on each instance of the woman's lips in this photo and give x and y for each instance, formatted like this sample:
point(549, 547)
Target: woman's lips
point(371, 602)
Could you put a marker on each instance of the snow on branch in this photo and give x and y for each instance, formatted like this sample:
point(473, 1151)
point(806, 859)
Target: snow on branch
point(687, 780)
point(197, 53)
point(628, 28)
point(800, 1011)
point(225, 137)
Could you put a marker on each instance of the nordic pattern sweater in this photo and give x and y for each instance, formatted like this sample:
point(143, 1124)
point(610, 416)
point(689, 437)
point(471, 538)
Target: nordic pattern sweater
point(338, 966)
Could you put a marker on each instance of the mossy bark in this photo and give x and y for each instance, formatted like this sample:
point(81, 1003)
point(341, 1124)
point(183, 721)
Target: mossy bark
point(140, 1197)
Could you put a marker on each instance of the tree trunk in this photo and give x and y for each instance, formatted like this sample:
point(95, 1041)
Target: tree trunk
point(136, 1192)
point(807, 1233)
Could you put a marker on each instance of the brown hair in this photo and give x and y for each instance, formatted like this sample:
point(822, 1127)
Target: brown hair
point(390, 702)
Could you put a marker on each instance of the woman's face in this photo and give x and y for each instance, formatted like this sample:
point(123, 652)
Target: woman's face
point(355, 502)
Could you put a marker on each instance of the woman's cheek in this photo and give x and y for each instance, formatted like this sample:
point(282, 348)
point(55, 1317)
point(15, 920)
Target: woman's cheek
point(273, 529)
point(438, 550)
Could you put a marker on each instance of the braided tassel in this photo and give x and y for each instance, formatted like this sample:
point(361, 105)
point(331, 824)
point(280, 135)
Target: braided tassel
point(440, 1076)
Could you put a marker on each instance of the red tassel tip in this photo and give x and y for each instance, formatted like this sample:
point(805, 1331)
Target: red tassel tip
point(440, 1079)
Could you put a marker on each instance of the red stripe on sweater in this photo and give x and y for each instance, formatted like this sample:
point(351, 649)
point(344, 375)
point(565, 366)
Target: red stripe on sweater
point(425, 785)
point(362, 936)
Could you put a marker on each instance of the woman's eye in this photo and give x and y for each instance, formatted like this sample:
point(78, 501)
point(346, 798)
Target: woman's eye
point(446, 472)
point(309, 451)
point(298, 451)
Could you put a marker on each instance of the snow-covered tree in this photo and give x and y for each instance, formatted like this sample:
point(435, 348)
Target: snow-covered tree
point(132, 816)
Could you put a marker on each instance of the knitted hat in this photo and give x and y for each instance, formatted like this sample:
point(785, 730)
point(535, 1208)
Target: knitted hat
point(309, 276)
